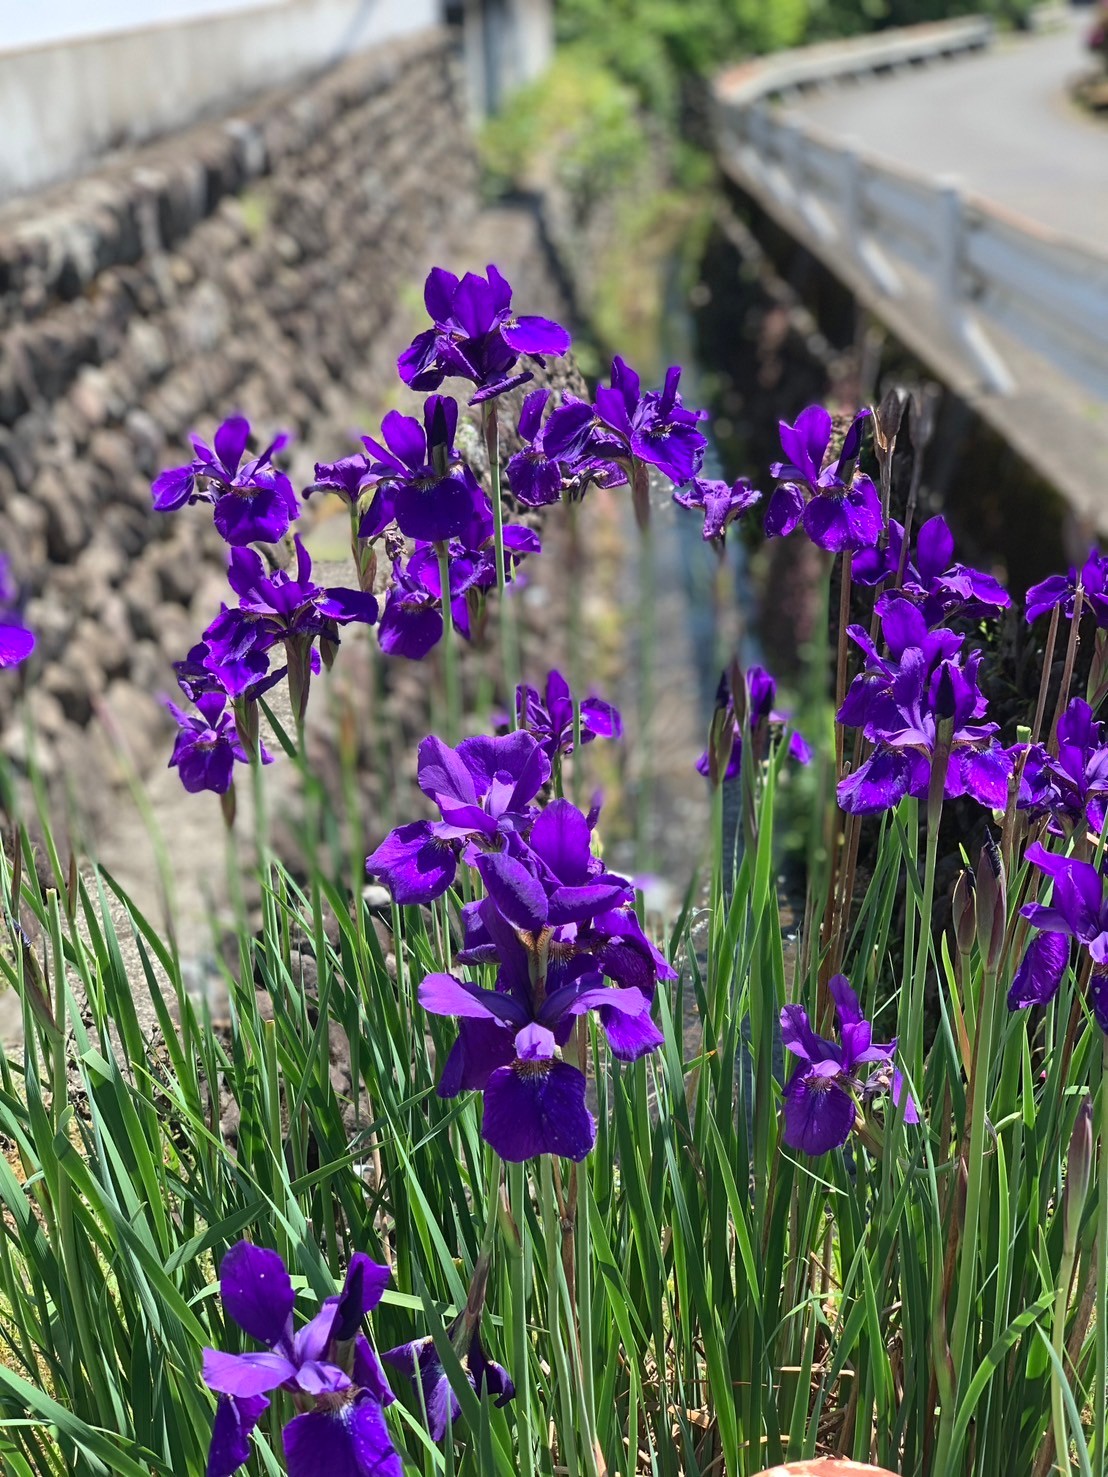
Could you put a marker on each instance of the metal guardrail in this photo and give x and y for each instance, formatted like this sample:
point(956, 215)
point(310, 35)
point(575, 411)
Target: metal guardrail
point(808, 66)
point(908, 237)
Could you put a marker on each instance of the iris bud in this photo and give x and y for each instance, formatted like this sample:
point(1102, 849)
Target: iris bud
point(944, 696)
point(945, 705)
point(886, 422)
point(1079, 1163)
point(34, 983)
point(992, 904)
point(298, 654)
point(247, 725)
point(735, 678)
point(721, 731)
point(964, 912)
point(228, 806)
point(852, 444)
point(439, 439)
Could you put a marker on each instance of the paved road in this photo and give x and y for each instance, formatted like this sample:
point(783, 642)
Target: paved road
point(1001, 121)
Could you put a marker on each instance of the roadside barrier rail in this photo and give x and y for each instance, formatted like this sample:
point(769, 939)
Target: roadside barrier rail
point(907, 237)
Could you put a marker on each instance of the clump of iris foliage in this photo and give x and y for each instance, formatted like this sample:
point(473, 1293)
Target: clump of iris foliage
point(606, 1196)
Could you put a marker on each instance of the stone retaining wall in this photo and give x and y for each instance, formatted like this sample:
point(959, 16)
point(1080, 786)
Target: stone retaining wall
point(251, 264)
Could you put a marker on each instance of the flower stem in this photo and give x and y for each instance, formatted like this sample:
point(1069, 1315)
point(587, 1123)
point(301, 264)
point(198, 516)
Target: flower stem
point(509, 635)
point(841, 666)
point(946, 1459)
point(449, 651)
point(911, 1016)
point(555, 1283)
point(1057, 1401)
point(647, 600)
point(520, 1278)
point(1100, 1393)
point(1067, 670)
point(1044, 680)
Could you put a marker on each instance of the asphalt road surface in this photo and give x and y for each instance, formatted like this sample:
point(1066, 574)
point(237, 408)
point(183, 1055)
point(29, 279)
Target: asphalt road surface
point(1001, 121)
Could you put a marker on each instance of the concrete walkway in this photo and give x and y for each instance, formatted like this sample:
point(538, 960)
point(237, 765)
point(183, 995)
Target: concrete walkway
point(1000, 120)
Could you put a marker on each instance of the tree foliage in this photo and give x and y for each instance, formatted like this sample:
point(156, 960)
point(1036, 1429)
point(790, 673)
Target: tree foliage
point(659, 46)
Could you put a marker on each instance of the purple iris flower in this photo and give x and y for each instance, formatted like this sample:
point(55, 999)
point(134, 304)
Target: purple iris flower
point(328, 1366)
point(722, 504)
point(483, 789)
point(288, 608)
point(838, 507)
point(411, 622)
point(422, 483)
point(881, 561)
point(346, 478)
point(421, 1363)
point(534, 477)
point(16, 641)
point(550, 876)
point(1070, 788)
point(1077, 910)
point(557, 927)
point(627, 425)
point(472, 554)
point(607, 940)
point(1061, 590)
point(821, 1097)
point(904, 628)
point(534, 1102)
point(208, 746)
point(254, 501)
point(761, 697)
point(904, 726)
point(248, 678)
point(476, 336)
point(549, 716)
point(942, 588)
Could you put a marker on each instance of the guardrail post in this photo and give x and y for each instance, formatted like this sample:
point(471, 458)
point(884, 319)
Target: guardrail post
point(951, 235)
point(953, 301)
point(852, 199)
point(756, 130)
point(790, 148)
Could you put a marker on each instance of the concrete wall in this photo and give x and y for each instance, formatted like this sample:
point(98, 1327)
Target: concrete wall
point(507, 43)
point(64, 104)
point(27, 25)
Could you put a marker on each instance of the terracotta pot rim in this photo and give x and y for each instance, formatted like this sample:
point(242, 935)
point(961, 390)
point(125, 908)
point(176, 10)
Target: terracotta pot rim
point(828, 1466)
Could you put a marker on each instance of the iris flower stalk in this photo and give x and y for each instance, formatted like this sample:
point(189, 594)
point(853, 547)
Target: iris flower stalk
point(1072, 646)
point(576, 1250)
point(519, 1198)
point(841, 664)
point(647, 598)
point(451, 676)
point(509, 634)
point(441, 1381)
point(910, 1022)
point(947, 1459)
point(1100, 1392)
point(561, 1302)
point(1078, 1164)
point(1044, 680)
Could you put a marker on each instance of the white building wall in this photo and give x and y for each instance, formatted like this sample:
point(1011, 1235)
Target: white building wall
point(506, 44)
point(535, 29)
point(64, 102)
